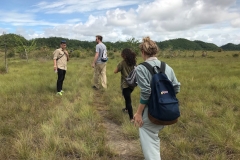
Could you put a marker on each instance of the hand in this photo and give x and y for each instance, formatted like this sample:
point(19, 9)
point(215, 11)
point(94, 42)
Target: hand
point(93, 65)
point(55, 68)
point(138, 120)
point(66, 53)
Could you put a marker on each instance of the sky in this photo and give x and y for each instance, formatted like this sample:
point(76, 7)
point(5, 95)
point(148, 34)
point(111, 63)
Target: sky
point(212, 21)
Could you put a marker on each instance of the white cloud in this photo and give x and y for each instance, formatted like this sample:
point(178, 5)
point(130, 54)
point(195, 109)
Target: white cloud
point(92, 27)
point(2, 30)
point(15, 17)
point(119, 17)
point(178, 15)
point(207, 20)
point(219, 3)
point(74, 6)
point(159, 10)
point(73, 21)
point(236, 23)
point(23, 19)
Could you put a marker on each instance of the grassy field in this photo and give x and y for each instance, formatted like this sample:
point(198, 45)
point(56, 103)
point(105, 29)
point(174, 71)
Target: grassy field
point(37, 124)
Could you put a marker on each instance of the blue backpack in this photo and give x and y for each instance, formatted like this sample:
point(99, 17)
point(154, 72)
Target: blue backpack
point(163, 106)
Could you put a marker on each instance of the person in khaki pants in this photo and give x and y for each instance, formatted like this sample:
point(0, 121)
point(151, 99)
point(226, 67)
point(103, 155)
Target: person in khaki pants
point(99, 66)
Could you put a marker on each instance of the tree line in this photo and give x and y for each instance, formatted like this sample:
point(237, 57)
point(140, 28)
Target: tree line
point(16, 41)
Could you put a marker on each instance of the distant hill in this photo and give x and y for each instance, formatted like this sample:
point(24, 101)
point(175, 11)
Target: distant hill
point(179, 44)
point(207, 46)
point(174, 44)
point(184, 44)
point(231, 47)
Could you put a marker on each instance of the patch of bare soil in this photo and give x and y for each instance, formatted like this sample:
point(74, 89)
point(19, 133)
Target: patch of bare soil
point(124, 148)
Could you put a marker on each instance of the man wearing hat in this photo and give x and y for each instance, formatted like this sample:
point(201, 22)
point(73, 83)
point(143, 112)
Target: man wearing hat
point(60, 58)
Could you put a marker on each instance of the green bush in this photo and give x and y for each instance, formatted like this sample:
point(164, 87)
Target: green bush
point(110, 54)
point(75, 53)
point(41, 54)
point(2, 69)
point(235, 55)
point(11, 54)
point(112, 57)
point(83, 55)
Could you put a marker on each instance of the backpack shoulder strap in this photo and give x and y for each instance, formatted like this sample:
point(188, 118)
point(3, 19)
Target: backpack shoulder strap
point(102, 50)
point(60, 56)
point(162, 67)
point(148, 66)
point(151, 69)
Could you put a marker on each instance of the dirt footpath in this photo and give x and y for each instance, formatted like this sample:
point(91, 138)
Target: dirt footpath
point(125, 149)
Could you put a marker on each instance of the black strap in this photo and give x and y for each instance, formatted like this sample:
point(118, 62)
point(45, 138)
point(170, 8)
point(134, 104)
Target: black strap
point(102, 50)
point(61, 56)
point(163, 66)
point(151, 68)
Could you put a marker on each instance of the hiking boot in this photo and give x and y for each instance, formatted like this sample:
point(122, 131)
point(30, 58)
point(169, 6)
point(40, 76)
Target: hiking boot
point(59, 93)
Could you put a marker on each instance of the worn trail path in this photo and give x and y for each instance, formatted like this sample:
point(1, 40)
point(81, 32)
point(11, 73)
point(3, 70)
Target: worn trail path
point(125, 149)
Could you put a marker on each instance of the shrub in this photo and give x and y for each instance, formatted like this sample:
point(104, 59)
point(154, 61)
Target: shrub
point(112, 57)
point(2, 69)
point(220, 50)
point(110, 54)
point(11, 54)
point(41, 54)
point(235, 55)
point(83, 55)
point(75, 53)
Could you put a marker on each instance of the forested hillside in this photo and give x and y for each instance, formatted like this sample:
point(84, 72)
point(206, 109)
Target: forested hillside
point(13, 40)
point(179, 44)
point(207, 46)
point(231, 47)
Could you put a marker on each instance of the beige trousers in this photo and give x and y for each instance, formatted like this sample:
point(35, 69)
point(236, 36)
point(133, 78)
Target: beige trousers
point(100, 74)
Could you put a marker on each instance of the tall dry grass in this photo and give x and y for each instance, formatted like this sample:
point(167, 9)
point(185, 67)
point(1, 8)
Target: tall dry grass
point(208, 127)
point(37, 124)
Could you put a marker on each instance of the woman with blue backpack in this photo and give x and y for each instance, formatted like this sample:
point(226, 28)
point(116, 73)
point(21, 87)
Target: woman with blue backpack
point(148, 131)
point(125, 67)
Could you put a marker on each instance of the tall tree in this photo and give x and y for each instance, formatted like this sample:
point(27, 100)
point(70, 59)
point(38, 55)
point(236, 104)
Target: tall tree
point(27, 48)
point(133, 44)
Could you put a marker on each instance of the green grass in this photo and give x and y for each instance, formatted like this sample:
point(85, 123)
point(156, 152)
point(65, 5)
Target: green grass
point(37, 124)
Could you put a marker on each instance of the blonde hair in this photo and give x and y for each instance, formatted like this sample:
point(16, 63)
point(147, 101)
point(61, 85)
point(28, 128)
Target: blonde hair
point(149, 47)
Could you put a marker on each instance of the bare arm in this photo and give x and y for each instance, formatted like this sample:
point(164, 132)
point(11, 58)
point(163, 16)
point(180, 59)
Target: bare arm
point(55, 64)
point(95, 59)
point(66, 53)
point(116, 70)
point(138, 115)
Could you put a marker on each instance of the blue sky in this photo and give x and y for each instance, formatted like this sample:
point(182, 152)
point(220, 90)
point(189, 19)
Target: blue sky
point(213, 21)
